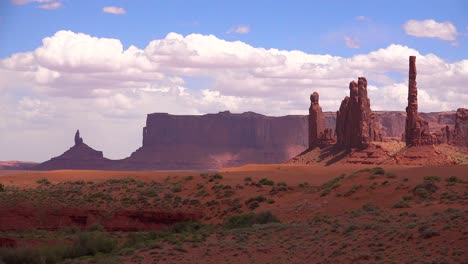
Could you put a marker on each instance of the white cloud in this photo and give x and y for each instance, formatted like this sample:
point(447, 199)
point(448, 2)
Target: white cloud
point(431, 29)
point(51, 6)
point(44, 4)
point(75, 80)
point(114, 10)
point(23, 2)
point(239, 29)
point(351, 42)
point(360, 18)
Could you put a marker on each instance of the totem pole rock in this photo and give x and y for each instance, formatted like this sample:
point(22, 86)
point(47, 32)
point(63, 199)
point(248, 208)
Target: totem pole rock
point(417, 128)
point(316, 120)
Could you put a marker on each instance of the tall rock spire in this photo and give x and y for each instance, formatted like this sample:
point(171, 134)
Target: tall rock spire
point(416, 127)
point(316, 120)
point(78, 139)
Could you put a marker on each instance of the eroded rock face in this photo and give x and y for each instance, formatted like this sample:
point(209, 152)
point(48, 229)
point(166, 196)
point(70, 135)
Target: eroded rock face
point(416, 128)
point(460, 133)
point(356, 124)
point(316, 120)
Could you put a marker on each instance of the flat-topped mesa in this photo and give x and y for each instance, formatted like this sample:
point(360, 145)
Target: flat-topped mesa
point(78, 139)
point(416, 128)
point(316, 120)
point(356, 124)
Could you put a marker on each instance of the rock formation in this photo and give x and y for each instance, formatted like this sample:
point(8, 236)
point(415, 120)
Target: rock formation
point(80, 156)
point(417, 128)
point(215, 140)
point(78, 139)
point(356, 125)
point(460, 132)
point(316, 121)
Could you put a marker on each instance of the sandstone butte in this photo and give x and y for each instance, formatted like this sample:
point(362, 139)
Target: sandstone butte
point(213, 141)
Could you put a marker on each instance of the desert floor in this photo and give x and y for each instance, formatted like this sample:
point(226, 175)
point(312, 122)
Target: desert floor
point(252, 214)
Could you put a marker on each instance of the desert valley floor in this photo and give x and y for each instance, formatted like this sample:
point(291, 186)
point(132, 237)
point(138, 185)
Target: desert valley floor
point(277, 213)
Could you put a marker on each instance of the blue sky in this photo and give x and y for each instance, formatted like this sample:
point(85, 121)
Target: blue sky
point(310, 26)
point(102, 66)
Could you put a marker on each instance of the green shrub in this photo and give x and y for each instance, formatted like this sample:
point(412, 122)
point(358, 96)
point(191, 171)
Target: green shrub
point(370, 208)
point(2, 187)
point(401, 204)
point(186, 227)
point(189, 178)
point(176, 188)
point(452, 179)
point(332, 184)
point(377, 171)
point(96, 227)
point(247, 179)
point(250, 219)
point(258, 199)
point(91, 243)
point(432, 178)
point(215, 177)
point(43, 181)
point(266, 181)
point(253, 205)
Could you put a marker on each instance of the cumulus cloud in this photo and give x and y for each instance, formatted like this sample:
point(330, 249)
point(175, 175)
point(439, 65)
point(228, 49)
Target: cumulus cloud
point(430, 28)
point(114, 10)
point(351, 43)
point(74, 80)
point(239, 29)
point(360, 18)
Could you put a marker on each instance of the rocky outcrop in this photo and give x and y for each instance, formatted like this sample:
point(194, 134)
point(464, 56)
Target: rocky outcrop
point(316, 121)
point(460, 132)
point(80, 156)
point(356, 124)
point(417, 128)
